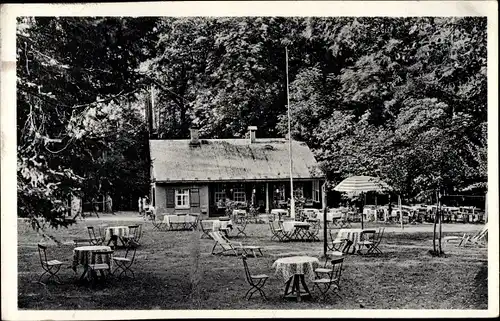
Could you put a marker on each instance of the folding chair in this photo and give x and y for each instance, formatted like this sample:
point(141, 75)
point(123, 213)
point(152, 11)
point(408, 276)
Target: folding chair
point(124, 263)
point(256, 281)
point(194, 225)
point(278, 233)
point(102, 267)
point(134, 235)
point(338, 244)
point(241, 226)
point(373, 245)
point(206, 227)
point(94, 240)
point(157, 225)
point(332, 281)
point(313, 231)
point(326, 269)
point(49, 267)
point(366, 240)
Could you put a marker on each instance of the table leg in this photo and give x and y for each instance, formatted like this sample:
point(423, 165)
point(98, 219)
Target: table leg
point(85, 271)
point(296, 285)
point(287, 285)
point(304, 285)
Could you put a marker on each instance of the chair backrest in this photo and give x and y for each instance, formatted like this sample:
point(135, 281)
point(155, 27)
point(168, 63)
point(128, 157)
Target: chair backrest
point(271, 225)
point(218, 237)
point(101, 254)
point(131, 249)
point(42, 253)
point(380, 234)
point(133, 230)
point(247, 271)
point(337, 264)
point(91, 231)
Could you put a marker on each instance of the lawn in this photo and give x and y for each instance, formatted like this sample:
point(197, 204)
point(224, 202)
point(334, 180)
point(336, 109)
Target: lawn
point(405, 276)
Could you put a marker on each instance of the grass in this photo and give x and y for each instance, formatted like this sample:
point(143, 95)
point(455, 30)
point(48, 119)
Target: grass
point(404, 277)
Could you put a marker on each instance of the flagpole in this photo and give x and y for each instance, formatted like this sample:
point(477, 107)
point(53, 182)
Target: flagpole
point(292, 200)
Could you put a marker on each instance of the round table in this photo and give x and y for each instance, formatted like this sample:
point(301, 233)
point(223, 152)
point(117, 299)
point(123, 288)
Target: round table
point(293, 270)
point(113, 233)
point(82, 256)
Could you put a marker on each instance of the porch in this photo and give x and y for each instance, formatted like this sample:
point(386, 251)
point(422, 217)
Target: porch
point(264, 196)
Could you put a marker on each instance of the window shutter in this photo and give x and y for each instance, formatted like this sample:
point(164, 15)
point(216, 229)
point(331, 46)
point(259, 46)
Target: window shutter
point(170, 198)
point(195, 197)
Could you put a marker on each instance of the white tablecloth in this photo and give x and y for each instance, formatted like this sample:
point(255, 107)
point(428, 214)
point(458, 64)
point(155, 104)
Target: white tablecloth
point(289, 226)
point(289, 266)
point(83, 254)
point(217, 225)
point(119, 231)
point(278, 211)
point(178, 219)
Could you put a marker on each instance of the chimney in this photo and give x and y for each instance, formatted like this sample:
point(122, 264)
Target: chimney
point(195, 136)
point(252, 130)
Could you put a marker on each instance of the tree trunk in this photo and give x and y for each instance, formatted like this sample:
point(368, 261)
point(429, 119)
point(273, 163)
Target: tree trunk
point(434, 233)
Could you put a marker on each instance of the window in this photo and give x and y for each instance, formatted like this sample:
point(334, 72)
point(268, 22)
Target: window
point(315, 191)
point(298, 192)
point(220, 195)
point(239, 194)
point(279, 193)
point(182, 198)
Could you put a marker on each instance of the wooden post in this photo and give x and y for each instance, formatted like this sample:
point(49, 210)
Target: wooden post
point(325, 223)
point(267, 198)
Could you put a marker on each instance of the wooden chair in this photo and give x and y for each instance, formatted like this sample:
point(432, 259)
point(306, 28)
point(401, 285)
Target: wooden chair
point(338, 244)
point(50, 267)
point(256, 281)
point(332, 281)
point(101, 267)
point(366, 240)
point(124, 263)
point(278, 233)
point(134, 235)
point(206, 227)
point(95, 240)
point(326, 269)
point(373, 245)
point(241, 226)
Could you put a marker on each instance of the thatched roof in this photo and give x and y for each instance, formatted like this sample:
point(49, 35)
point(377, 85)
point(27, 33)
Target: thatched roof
point(230, 160)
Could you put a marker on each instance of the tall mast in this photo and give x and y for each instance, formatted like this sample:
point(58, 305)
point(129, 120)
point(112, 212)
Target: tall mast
point(292, 200)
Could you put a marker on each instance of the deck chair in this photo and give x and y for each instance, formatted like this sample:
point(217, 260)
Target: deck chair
point(124, 263)
point(371, 245)
point(256, 281)
point(224, 243)
point(278, 233)
point(232, 247)
point(332, 279)
point(477, 238)
point(94, 239)
point(102, 267)
point(50, 267)
point(241, 226)
point(206, 227)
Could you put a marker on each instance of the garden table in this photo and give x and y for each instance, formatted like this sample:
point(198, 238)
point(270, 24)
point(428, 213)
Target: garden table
point(82, 256)
point(353, 235)
point(179, 222)
point(279, 212)
point(113, 233)
point(293, 270)
point(297, 230)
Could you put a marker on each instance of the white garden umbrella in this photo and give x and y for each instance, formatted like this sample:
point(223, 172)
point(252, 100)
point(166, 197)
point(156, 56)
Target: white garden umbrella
point(362, 184)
